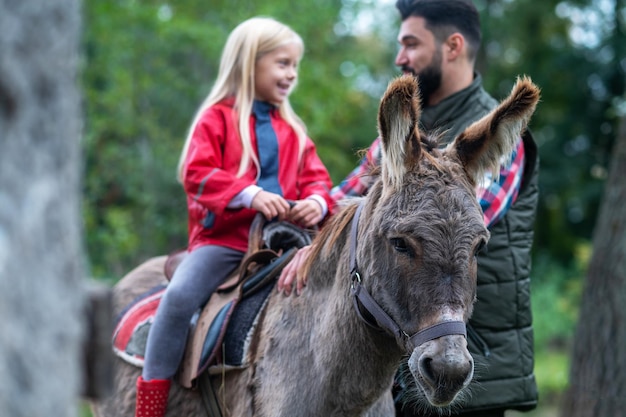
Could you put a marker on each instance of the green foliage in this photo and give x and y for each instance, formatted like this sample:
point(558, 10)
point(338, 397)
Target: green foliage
point(551, 373)
point(556, 295)
point(147, 66)
point(581, 71)
point(555, 298)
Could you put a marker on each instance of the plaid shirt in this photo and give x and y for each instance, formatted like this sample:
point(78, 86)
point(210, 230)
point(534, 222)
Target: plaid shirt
point(495, 197)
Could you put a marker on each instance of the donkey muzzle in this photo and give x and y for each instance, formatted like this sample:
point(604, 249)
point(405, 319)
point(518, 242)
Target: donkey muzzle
point(442, 367)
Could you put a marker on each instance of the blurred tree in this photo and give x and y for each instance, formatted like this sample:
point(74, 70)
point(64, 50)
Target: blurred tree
point(42, 295)
point(597, 377)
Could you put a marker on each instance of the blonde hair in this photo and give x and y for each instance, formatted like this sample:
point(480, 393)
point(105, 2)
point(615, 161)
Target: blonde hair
point(248, 42)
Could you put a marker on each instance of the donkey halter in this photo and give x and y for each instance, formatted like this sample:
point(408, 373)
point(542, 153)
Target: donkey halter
point(362, 298)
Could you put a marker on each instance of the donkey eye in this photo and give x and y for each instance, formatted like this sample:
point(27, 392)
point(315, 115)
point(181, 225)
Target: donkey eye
point(399, 244)
point(482, 245)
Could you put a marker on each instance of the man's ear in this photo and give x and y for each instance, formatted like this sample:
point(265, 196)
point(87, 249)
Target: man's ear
point(454, 46)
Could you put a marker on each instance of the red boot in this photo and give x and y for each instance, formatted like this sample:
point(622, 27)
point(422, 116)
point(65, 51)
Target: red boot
point(152, 397)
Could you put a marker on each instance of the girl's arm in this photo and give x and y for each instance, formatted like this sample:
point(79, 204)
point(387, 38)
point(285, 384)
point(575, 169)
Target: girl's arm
point(209, 176)
point(314, 182)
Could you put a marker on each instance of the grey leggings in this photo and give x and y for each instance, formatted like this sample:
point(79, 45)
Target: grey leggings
point(195, 279)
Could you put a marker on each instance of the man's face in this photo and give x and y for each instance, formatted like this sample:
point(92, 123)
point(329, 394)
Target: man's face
point(420, 54)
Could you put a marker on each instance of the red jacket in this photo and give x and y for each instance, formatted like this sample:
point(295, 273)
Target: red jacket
point(211, 165)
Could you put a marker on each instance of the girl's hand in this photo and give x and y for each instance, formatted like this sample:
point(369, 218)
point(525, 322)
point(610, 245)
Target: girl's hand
point(306, 213)
point(271, 205)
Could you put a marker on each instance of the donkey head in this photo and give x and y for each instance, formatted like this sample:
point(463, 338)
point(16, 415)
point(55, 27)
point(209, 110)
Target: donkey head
point(429, 225)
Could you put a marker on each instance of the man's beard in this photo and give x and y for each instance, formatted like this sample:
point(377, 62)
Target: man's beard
point(429, 78)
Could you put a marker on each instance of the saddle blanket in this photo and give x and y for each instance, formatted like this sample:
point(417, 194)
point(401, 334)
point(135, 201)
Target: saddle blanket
point(133, 323)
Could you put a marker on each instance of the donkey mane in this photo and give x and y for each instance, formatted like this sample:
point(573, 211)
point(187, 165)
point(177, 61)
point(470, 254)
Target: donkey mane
point(328, 236)
point(431, 142)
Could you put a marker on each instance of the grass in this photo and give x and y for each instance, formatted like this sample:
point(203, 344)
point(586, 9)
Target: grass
point(85, 411)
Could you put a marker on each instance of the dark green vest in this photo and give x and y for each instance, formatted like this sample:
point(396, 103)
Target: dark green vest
point(500, 335)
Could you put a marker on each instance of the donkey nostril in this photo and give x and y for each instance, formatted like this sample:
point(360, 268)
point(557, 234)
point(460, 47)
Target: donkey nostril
point(451, 373)
point(426, 368)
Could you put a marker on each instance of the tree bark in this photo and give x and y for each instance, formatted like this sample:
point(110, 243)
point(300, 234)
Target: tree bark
point(597, 377)
point(41, 265)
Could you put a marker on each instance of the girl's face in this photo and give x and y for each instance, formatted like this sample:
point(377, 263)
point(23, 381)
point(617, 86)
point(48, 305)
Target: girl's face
point(275, 73)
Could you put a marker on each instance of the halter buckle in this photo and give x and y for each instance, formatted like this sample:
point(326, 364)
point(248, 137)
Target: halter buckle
point(355, 277)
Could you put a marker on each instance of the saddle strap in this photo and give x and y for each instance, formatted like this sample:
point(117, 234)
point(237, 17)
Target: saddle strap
point(268, 273)
point(205, 340)
point(209, 396)
point(261, 257)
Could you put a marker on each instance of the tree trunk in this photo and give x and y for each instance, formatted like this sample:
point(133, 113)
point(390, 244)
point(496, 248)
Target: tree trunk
point(41, 265)
point(597, 377)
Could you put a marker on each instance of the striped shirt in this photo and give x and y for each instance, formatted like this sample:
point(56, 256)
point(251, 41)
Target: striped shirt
point(495, 197)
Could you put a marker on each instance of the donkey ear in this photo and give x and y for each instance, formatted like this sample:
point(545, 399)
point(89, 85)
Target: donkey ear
point(398, 117)
point(484, 143)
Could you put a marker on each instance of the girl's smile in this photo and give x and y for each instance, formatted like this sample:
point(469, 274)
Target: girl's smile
point(276, 72)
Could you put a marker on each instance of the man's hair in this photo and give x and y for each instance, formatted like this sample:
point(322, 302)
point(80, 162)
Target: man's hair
point(444, 17)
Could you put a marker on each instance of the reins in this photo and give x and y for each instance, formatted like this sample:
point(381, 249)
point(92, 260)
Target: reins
point(361, 297)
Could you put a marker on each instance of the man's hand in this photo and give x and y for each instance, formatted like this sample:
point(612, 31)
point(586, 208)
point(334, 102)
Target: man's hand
point(271, 205)
point(293, 271)
point(306, 213)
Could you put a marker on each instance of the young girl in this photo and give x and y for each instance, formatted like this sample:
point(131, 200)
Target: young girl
point(246, 152)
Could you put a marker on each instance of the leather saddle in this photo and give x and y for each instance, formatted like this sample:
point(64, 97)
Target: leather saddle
point(271, 246)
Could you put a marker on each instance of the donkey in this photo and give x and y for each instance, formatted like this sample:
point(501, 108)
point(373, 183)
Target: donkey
point(393, 275)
